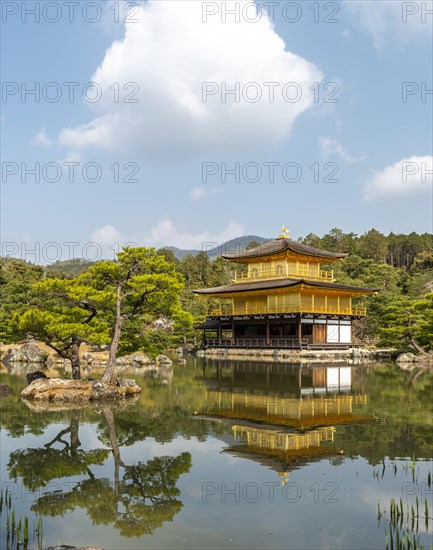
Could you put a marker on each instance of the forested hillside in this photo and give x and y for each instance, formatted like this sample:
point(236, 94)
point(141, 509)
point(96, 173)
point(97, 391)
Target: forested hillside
point(400, 266)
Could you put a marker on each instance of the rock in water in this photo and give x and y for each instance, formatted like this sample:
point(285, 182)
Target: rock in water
point(406, 358)
point(35, 376)
point(29, 352)
point(139, 359)
point(66, 390)
point(163, 360)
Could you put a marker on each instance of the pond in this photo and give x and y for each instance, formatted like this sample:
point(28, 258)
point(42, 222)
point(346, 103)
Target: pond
point(226, 455)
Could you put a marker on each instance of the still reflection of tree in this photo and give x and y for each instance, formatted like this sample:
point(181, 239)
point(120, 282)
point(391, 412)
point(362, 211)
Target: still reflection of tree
point(38, 467)
point(139, 500)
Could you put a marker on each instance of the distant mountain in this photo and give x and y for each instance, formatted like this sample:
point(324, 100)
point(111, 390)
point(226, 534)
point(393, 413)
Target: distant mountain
point(76, 266)
point(213, 249)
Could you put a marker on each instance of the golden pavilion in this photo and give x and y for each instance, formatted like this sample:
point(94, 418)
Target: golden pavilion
point(283, 415)
point(284, 298)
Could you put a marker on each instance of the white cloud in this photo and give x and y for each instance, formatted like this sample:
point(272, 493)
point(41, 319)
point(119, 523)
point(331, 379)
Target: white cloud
point(201, 192)
point(164, 233)
point(330, 147)
point(109, 241)
point(407, 176)
point(168, 55)
point(390, 20)
point(41, 138)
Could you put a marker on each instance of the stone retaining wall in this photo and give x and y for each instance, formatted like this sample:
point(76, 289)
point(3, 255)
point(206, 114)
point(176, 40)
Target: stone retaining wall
point(298, 356)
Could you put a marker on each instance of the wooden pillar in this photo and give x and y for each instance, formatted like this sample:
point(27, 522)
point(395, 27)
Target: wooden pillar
point(299, 331)
point(267, 331)
point(233, 331)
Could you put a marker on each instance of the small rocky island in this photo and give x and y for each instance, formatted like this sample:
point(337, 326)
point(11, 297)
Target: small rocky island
point(66, 390)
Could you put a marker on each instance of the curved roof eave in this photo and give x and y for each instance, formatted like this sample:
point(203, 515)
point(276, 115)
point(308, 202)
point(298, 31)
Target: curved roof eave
point(280, 245)
point(281, 283)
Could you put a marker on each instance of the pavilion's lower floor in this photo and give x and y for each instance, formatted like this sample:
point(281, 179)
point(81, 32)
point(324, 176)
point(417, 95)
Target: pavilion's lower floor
point(296, 331)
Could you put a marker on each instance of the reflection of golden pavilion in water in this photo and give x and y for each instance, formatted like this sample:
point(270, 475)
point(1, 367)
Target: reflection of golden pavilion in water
point(282, 414)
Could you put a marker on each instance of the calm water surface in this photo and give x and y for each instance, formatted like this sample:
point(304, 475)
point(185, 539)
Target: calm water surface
point(226, 455)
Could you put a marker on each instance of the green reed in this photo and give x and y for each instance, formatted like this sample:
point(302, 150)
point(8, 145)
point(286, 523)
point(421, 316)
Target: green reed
point(17, 530)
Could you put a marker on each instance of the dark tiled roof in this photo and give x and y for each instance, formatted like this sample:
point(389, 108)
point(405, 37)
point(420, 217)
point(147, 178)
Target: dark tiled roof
point(208, 324)
point(279, 283)
point(280, 245)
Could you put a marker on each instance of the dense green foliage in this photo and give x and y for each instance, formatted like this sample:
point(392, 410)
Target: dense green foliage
point(16, 281)
point(401, 268)
point(399, 315)
point(63, 314)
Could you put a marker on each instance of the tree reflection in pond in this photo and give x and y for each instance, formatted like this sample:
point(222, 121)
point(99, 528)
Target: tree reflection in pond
point(141, 498)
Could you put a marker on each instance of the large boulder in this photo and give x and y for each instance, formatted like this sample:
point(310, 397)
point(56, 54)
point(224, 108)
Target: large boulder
point(139, 359)
point(32, 353)
point(424, 358)
point(29, 352)
point(122, 361)
point(11, 356)
point(61, 389)
point(35, 376)
point(406, 358)
point(136, 360)
point(163, 361)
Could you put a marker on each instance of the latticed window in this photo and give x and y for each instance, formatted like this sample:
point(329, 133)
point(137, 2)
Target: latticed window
point(279, 270)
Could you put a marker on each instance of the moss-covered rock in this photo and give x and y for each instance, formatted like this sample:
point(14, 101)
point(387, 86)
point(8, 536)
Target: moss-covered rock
point(65, 390)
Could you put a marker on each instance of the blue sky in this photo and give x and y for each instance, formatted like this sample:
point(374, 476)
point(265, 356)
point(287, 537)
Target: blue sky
point(351, 103)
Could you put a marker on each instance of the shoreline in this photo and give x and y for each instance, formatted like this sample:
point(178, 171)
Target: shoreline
point(299, 356)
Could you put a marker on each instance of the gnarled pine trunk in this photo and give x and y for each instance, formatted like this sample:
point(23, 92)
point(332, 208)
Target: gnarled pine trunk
point(75, 361)
point(415, 345)
point(109, 371)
